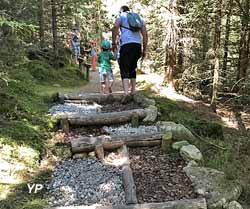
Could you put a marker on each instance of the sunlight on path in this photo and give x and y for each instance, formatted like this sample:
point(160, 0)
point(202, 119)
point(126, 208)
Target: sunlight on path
point(94, 82)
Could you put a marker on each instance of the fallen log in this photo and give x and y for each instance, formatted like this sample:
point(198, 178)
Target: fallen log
point(87, 144)
point(105, 118)
point(199, 203)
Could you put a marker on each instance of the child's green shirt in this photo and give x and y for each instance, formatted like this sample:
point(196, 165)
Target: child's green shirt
point(104, 61)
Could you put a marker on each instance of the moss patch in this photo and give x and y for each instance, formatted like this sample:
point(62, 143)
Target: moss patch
point(171, 111)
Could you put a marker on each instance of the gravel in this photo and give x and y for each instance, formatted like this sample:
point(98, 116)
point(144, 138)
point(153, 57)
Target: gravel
point(127, 129)
point(81, 109)
point(85, 182)
point(159, 177)
point(90, 108)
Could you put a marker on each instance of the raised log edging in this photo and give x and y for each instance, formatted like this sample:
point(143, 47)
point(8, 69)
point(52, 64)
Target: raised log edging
point(127, 178)
point(199, 203)
point(87, 144)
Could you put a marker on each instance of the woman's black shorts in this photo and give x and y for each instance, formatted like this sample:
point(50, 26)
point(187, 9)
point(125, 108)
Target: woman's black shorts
point(129, 55)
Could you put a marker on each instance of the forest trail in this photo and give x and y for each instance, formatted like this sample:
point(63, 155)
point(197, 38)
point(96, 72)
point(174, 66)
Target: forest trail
point(223, 115)
point(94, 82)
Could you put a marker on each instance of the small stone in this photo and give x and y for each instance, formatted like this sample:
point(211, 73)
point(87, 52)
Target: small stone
point(178, 145)
point(234, 205)
point(190, 152)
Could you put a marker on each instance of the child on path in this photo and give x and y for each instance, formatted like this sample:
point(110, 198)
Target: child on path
point(105, 69)
point(75, 43)
point(93, 55)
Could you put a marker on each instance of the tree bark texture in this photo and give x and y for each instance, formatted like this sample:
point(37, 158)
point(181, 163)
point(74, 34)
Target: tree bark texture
point(244, 45)
point(88, 144)
point(171, 44)
point(226, 41)
point(216, 48)
point(54, 29)
point(104, 118)
point(41, 23)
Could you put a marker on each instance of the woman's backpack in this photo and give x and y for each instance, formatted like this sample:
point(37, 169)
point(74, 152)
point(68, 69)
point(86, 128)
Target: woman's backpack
point(134, 21)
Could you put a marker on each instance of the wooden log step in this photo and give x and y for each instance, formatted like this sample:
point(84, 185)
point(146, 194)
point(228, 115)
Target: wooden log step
point(199, 203)
point(87, 144)
point(105, 118)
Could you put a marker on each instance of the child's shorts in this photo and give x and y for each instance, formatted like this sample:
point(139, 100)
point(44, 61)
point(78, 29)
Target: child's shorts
point(109, 75)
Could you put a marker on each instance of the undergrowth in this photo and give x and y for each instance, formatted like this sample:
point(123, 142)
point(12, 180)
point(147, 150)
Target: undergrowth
point(24, 124)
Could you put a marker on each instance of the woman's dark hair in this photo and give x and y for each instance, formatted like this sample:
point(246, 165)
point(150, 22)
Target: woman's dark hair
point(124, 8)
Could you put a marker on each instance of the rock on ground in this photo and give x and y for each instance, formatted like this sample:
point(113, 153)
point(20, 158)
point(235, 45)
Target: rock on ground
point(190, 152)
point(214, 186)
point(179, 145)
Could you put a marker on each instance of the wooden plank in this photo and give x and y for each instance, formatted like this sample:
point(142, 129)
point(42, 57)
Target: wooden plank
point(199, 203)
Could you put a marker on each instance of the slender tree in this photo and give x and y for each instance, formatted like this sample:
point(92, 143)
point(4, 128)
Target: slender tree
point(171, 43)
point(244, 43)
point(41, 22)
point(54, 30)
point(216, 48)
point(226, 41)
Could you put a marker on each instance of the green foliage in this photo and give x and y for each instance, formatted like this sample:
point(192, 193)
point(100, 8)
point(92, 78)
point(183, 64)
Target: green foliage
point(25, 101)
point(171, 111)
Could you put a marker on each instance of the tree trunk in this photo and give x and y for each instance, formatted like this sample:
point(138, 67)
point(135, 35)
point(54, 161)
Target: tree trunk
point(225, 59)
point(54, 31)
point(41, 23)
point(180, 50)
point(171, 44)
point(216, 48)
point(244, 46)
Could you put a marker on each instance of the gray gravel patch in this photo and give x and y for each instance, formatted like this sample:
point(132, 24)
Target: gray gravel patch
point(86, 182)
point(81, 109)
point(127, 129)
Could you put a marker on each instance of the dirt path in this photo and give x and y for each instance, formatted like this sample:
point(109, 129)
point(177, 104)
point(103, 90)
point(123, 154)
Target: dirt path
point(94, 84)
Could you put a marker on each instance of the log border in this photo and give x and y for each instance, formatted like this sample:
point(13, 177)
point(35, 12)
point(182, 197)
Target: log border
point(199, 203)
point(88, 144)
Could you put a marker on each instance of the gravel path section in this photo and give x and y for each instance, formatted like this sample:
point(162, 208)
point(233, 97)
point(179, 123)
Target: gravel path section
point(127, 129)
point(84, 109)
point(85, 182)
point(159, 177)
